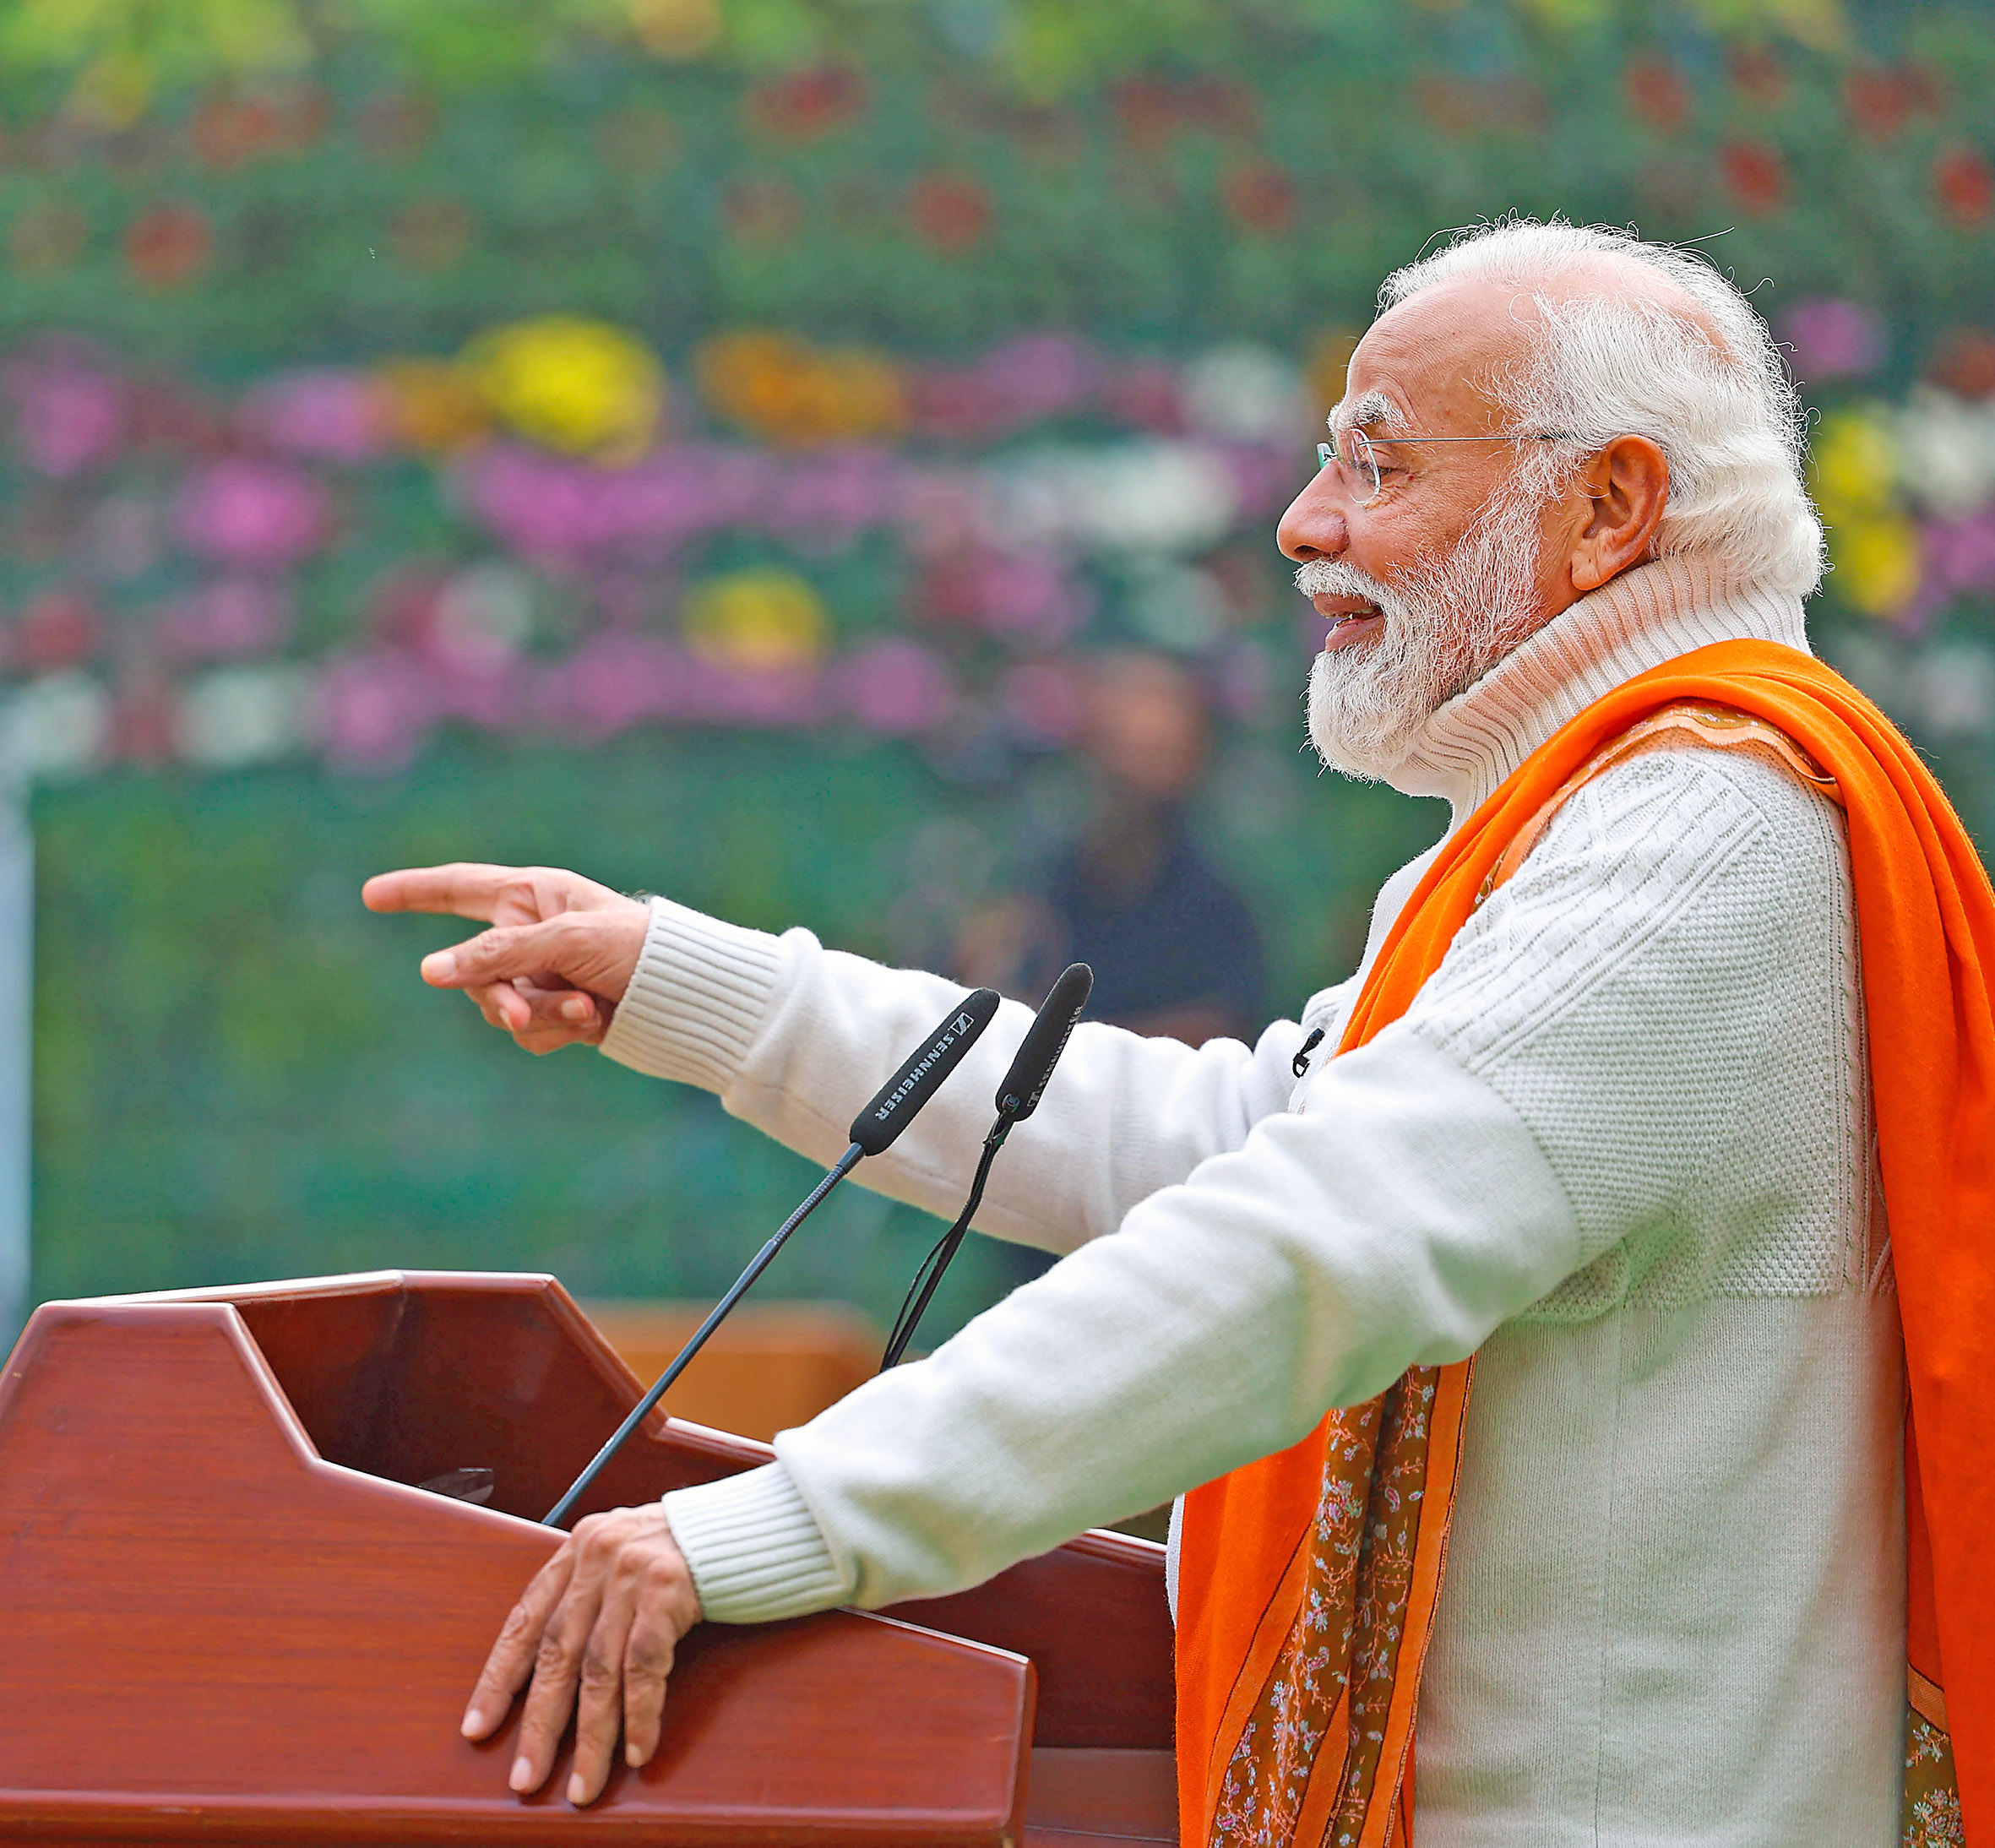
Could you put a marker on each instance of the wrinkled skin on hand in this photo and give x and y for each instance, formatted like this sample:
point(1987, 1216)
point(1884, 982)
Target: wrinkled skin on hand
point(596, 1631)
point(556, 961)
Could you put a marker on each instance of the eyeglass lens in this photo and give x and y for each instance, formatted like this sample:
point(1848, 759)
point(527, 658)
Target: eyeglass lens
point(1350, 453)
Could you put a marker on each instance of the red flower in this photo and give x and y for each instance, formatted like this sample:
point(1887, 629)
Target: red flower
point(168, 245)
point(58, 629)
point(1261, 197)
point(1756, 174)
point(1964, 362)
point(1881, 100)
point(1149, 109)
point(1659, 93)
point(950, 213)
point(1964, 183)
point(230, 132)
point(807, 105)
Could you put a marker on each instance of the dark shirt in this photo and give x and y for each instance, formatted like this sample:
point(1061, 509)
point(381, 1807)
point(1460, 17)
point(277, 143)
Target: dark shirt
point(1184, 938)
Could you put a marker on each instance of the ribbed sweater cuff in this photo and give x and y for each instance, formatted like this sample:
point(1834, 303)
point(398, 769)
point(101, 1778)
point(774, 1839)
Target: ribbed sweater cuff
point(700, 990)
point(755, 1553)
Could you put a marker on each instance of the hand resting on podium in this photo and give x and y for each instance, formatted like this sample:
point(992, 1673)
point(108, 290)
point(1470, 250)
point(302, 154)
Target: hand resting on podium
point(556, 960)
point(596, 1630)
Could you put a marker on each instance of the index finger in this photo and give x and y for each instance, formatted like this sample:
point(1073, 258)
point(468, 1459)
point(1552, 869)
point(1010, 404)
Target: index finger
point(464, 889)
point(512, 1657)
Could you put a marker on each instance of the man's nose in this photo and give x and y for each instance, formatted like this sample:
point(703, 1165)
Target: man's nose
point(1314, 525)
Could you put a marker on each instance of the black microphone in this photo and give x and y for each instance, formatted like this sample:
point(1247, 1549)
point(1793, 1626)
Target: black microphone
point(1045, 1041)
point(874, 1128)
point(895, 1102)
point(1017, 1097)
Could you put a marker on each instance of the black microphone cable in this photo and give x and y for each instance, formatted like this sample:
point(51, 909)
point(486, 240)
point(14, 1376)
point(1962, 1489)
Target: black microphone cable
point(1017, 1097)
point(893, 1107)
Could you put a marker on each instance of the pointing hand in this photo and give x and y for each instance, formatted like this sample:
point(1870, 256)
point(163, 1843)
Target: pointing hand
point(555, 965)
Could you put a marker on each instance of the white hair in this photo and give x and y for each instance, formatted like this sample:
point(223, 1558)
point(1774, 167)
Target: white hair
point(1724, 412)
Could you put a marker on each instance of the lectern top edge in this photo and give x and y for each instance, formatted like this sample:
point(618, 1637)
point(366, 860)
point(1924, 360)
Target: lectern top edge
point(341, 1284)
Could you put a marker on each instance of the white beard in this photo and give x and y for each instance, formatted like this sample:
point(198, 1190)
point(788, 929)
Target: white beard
point(1447, 622)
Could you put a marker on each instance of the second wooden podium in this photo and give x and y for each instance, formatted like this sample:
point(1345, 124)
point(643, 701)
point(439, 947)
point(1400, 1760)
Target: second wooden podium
point(228, 1613)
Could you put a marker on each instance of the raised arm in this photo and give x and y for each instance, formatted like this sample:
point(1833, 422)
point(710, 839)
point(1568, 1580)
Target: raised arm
point(795, 1038)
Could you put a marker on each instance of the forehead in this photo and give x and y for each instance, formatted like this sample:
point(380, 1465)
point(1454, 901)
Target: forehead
point(1429, 356)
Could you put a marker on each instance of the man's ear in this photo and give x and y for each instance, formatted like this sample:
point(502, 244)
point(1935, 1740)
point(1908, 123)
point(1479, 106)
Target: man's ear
point(1626, 486)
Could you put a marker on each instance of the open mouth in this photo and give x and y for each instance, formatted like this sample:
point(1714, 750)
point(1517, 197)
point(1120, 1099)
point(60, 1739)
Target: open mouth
point(1350, 619)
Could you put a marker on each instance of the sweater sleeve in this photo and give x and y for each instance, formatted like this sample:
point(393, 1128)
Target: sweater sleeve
point(795, 1038)
point(1543, 1101)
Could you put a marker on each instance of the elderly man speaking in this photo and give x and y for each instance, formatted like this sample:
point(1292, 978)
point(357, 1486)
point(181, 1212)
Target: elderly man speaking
point(1618, 1235)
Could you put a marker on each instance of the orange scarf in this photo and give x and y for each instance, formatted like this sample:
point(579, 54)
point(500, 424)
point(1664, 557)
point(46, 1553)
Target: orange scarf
point(1307, 1580)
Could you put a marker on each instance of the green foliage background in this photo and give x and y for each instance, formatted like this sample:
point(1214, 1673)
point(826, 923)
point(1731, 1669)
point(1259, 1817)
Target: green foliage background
point(237, 1074)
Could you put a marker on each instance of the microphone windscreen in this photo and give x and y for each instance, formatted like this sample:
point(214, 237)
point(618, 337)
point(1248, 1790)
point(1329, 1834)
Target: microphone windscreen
point(1045, 1041)
point(894, 1107)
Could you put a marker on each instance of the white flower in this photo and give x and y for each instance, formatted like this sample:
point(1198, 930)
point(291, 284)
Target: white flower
point(486, 610)
point(240, 715)
point(54, 726)
point(1952, 687)
point(1946, 450)
point(1245, 393)
point(1130, 497)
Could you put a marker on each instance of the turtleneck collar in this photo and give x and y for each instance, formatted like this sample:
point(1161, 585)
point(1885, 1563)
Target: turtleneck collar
point(1639, 620)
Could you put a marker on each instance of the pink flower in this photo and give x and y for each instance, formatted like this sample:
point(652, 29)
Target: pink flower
point(339, 416)
point(1041, 375)
point(617, 680)
point(894, 687)
point(69, 417)
point(536, 505)
point(1268, 475)
point(828, 499)
point(540, 506)
point(229, 616)
point(372, 711)
point(1960, 553)
point(782, 697)
point(1833, 338)
point(955, 406)
point(252, 512)
point(1029, 597)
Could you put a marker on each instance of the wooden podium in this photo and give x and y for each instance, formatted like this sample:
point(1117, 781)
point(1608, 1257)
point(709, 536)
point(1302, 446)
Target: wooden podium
point(228, 1616)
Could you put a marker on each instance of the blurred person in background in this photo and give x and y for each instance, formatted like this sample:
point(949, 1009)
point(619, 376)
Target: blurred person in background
point(1606, 1122)
point(1175, 949)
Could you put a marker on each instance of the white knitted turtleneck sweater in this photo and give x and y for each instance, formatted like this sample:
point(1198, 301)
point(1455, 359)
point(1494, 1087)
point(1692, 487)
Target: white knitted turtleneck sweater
point(1618, 1147)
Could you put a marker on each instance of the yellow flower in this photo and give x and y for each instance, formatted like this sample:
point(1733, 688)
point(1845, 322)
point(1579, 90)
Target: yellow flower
point(1876, 561)
point(1856, 463)
point(577, 385)
point(762, 620)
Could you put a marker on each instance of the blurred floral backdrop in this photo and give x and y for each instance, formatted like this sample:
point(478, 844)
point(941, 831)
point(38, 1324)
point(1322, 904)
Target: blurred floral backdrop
point(697, 440)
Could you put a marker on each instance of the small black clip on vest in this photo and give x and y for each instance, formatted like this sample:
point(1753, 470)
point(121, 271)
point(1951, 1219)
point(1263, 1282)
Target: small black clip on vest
point(1299, 1063)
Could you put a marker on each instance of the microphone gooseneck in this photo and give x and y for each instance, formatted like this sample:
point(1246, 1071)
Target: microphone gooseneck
point(874, 1128)
point(1017, 1097)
